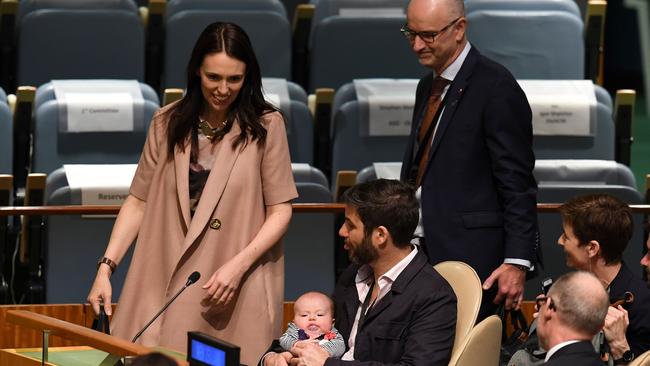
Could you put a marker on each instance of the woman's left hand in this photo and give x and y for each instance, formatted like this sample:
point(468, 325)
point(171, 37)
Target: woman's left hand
point(224, 283)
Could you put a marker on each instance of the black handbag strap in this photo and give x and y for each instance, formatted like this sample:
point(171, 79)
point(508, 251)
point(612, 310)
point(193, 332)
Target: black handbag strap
point(101, 323)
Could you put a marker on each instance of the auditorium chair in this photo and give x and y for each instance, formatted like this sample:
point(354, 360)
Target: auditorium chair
point(339, 48)
point(74, 243)
point(53, 146)
point(641, 360)
point(481, 346)
point(467, 287)
point(353, 148)
point(534, 39)
point(299, 121)
point(79, 39)
point(309, 244)
point(265, 22)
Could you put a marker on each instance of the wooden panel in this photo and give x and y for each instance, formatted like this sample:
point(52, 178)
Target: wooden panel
point(14, 336)
point(287, 314)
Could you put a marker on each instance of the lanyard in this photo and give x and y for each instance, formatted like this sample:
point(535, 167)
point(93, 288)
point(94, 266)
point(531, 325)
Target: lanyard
point(366, 304)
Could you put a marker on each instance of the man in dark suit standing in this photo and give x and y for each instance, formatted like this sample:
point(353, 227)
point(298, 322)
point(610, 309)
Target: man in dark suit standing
point(470, 153)
point(569, 317)
point(392, 307)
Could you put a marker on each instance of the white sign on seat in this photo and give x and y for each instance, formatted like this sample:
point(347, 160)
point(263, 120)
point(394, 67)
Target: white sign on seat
point(386, 106)
point(99, 105)
point(101, 184)
point(561, 107)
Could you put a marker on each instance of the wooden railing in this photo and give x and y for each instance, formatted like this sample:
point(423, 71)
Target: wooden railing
point(297, 208)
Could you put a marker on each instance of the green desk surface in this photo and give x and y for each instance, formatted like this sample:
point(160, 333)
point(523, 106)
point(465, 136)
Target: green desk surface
point(83, 356)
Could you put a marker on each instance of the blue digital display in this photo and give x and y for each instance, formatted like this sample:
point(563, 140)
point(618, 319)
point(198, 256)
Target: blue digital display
point(207, 354)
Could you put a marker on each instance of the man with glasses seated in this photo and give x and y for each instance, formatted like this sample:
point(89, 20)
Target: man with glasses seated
point(470, 154)
point(569, 317)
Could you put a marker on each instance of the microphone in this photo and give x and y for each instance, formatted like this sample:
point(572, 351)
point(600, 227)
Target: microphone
point(190, 280)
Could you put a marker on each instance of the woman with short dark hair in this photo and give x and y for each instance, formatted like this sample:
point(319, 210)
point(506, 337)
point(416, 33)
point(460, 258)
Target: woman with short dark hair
point(211, 194)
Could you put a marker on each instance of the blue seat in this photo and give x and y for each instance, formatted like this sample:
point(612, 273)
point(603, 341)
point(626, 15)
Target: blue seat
point(54, 147)
point(6, 135)
point(353, 149)
point(340, 49)
point(300, 124)
point(74, 239)
point(534, 39)
point(309, 245)
point(79, 39)
point(265, 22)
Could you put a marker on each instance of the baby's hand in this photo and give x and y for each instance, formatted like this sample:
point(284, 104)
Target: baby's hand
point(293, 349)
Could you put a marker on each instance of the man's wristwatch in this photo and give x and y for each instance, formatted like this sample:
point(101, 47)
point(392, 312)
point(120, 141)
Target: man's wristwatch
point(628, 356)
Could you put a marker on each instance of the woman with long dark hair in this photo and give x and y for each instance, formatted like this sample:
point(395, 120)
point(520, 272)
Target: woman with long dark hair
point(211, 194)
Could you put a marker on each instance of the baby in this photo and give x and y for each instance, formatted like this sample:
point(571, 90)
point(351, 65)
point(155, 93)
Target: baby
point(313, 322)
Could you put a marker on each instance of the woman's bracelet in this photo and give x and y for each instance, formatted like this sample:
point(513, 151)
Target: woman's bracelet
point(105, 260)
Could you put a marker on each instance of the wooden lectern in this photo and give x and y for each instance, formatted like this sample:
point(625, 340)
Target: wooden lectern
point(115, 348)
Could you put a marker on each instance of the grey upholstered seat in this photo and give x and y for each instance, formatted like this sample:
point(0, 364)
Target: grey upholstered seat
point(300, 124)
point(340, 49)
point(265, 22)
point(353, 151)
point(71, 240)
point(309, 245)
point(54, 147)
point(534, 39)
point(305, 173)
point(79, 39)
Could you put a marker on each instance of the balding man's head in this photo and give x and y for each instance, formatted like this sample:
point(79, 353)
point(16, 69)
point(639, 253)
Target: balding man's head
point(452, 8)
point(444, 24)
point(581, 302)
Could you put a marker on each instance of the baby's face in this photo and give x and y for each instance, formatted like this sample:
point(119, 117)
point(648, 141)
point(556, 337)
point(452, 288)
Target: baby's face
point(313, 314)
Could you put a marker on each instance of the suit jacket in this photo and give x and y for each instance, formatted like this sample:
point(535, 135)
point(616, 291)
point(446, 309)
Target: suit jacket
point(638, 332)
point(581, 353)
point(478, 190)
point(414, 324)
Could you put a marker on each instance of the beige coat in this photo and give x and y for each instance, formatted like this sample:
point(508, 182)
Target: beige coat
point(171, 244)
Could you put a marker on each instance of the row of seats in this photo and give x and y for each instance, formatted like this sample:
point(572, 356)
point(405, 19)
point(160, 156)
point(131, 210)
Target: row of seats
point(333, 41)
point(344, 139)
point(51, 143)
point(73, 239)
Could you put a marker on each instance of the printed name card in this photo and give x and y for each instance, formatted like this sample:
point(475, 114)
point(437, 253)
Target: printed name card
point(99, 105)
point(390, 115)
point(101, 184)
point(371, 12)
point(386, 106)
point(561, 107)
point(95, 112)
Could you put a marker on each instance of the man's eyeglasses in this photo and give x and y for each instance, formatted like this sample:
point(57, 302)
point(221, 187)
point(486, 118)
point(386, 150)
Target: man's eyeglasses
point(542, 300)
point(427, 37)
